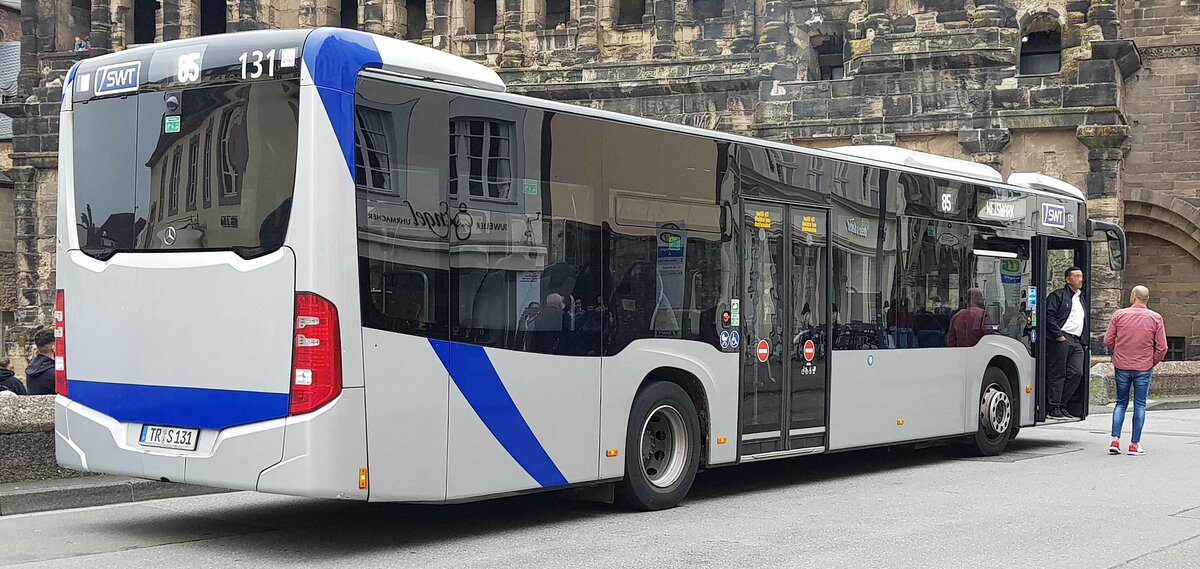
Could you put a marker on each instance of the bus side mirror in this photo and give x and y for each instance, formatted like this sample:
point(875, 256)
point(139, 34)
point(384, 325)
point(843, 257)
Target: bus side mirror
point(1115, 236)
point(1116, 249)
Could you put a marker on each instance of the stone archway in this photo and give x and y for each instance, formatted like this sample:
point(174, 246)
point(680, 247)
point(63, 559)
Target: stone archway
point(1163, 216)
point(1164, 244)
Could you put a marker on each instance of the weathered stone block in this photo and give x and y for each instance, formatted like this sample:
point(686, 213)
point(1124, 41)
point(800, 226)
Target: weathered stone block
point(952, 15)
point(811, 109)
point(1097, 71)
point(26, 414)
point(897, 106)
point(1046, 97)
point(853, 107)
point(1093, 95)
point(1010, 98)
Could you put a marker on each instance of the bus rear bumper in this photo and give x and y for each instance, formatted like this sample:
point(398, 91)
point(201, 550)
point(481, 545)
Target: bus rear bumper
point(317, 454)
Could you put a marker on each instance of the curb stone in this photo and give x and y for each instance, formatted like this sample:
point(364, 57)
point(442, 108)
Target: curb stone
point(48, 495)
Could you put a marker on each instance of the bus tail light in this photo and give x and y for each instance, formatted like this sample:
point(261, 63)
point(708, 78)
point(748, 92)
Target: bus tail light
point(316, 354)
point(60, 343)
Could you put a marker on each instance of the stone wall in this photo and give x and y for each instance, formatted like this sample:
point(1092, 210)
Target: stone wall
point(27, 440)
point(1170, 379)
point(35, 178)
point(1172, 276)
point(10, 25)
point(1162, 173)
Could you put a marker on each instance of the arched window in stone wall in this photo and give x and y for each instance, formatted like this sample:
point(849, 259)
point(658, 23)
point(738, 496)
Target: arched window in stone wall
point(705, 9)
point(415, 11)
point(214, 17)
point(349, 14)
point(484, 17)
point(557, 12)
point(81, 18)
point(145, 23)
point(831, 56)
point(1041, 46)
point(630, 11)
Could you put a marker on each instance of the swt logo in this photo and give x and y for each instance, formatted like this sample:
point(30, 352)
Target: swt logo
point(1054, 216)
point(118, 78)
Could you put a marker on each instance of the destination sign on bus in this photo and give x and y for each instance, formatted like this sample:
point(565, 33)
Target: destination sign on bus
point(1002, 210)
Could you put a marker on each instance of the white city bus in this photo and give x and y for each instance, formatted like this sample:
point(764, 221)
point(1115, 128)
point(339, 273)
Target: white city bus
point(330, 264)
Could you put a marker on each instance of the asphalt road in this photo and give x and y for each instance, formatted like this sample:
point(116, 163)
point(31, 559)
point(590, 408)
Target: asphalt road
point(1055, 500)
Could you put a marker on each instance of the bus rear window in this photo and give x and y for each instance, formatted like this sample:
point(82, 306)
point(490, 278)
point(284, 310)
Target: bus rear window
point(209, 168)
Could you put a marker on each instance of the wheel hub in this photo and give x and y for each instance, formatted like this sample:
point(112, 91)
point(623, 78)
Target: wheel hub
point(664, 446)
point(995, 411)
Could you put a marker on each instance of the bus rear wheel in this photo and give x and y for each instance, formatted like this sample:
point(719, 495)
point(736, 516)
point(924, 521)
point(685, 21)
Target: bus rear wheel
point(662, 448)
point(996, 420)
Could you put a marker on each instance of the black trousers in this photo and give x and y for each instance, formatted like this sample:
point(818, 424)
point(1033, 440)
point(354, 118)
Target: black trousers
point(1064, 373)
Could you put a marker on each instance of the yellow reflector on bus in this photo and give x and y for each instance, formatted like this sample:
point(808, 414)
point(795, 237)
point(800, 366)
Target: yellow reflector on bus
point(722, 440)
point(362, 478)
point(1028, 389)
point(610, 452)
point(900, 422)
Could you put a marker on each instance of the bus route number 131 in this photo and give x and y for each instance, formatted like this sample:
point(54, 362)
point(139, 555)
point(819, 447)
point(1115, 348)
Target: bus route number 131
point(252, 63)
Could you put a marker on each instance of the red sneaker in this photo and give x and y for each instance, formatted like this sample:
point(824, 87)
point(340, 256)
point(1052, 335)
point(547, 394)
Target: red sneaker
point(1114, 448)
point(1136, 450)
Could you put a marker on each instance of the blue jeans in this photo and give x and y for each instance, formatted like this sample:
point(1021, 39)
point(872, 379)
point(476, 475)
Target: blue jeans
point(1140, 381)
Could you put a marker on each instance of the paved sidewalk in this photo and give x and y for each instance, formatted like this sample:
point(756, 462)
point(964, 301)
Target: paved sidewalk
point(44, 495)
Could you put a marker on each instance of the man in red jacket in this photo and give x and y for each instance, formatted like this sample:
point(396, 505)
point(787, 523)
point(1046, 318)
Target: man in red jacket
point(1139, 341)
point(970, 324)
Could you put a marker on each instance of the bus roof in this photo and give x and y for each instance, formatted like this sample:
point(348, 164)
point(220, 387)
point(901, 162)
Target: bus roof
point(1044, 182)
point(924, 160)
point(415, 59)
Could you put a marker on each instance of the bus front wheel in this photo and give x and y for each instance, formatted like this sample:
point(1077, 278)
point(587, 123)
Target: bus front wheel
point(662, 448)
point(996, 420)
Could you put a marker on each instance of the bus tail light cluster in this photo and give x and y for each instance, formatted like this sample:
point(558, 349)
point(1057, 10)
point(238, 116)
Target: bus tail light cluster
point(60, 343)
point(316, 354)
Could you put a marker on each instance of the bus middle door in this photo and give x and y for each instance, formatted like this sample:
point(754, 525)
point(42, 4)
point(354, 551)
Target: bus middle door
point(785, 326)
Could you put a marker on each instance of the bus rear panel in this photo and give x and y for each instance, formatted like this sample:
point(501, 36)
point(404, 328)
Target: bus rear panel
point(202, 341)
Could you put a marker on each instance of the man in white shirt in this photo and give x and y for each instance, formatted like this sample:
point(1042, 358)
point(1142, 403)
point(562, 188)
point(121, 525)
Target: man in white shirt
point(1066, 345)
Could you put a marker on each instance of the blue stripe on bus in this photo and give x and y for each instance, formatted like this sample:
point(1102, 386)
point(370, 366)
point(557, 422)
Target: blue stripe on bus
point(477, 379)
point(192, 407)
point(334, 57)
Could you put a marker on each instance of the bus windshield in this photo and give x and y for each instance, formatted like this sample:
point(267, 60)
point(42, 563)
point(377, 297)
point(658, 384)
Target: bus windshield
point(206, 168)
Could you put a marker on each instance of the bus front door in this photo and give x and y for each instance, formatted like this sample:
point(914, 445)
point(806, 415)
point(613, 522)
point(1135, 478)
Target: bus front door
point(1055, 255)
point(785, 326)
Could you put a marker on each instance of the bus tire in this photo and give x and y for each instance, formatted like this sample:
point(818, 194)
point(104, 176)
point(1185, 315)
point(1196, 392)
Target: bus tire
point(996, 420)
point(662, 448)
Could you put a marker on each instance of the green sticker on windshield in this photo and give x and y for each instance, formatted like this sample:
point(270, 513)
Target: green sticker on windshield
point(531, 187)
point(171, 124)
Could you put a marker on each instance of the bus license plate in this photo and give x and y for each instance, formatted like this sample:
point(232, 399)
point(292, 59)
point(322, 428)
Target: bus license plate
point(169, 437)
